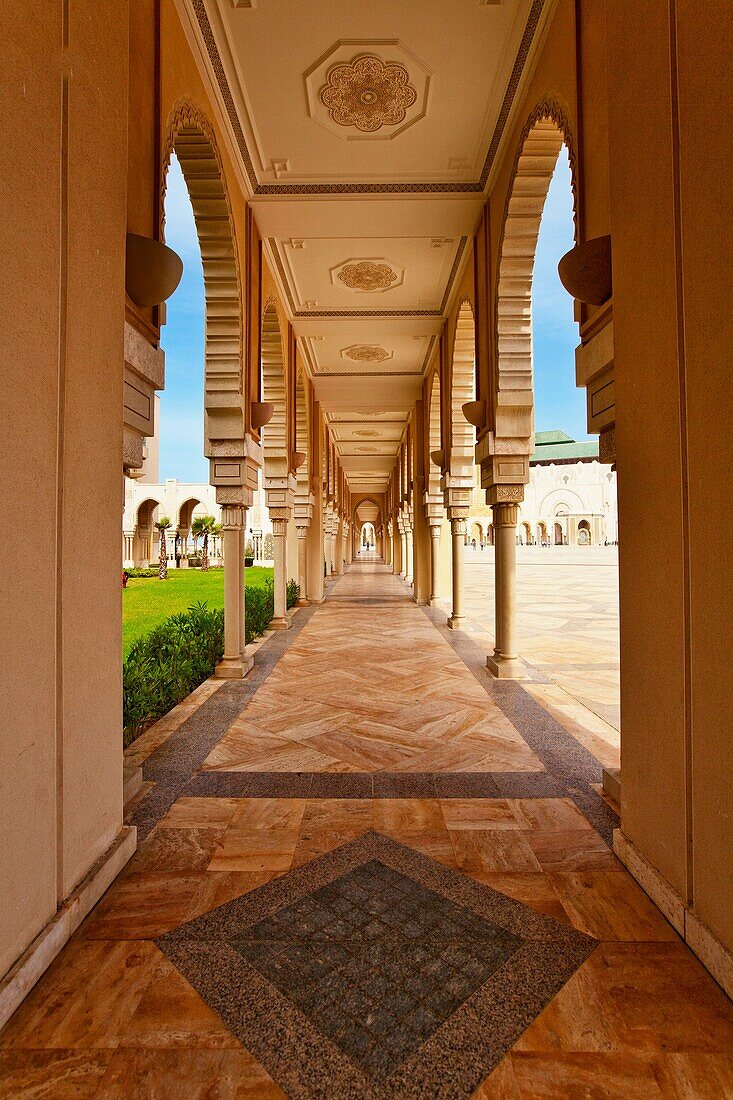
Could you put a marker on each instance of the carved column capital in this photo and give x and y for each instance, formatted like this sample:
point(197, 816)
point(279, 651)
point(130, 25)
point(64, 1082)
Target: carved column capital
point(301, 532)
point(435, 529)
point(505, 514)
point(279, 527)
point(233, 517)
point(458, 525)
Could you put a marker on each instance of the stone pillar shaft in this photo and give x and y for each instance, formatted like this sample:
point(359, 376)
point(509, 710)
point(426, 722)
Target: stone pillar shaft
point(504, 662)
point(458, 536)
point(234, 664)
point(279, 534)
point(434, 560)
point(303, 566)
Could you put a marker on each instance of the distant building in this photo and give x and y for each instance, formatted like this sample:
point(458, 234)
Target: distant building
point(570, 499)
point(182, 502)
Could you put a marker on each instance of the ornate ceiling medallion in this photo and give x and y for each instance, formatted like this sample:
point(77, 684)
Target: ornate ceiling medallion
point(367, 434)
point(368, 93)
point(368, 276)
point(366, 353)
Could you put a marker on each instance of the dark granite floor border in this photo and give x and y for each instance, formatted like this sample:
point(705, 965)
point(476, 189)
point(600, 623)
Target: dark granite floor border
point(170, 766)
point(456, 1057)
point(227, 784)
point(573, 768)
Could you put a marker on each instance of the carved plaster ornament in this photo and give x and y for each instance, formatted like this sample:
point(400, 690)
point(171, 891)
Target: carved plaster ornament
point(367, 275)
point(367, 353)
point(368, 93)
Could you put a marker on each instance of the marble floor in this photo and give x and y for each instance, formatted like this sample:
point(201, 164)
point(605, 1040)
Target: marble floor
point(567, 631)
point(370, 870)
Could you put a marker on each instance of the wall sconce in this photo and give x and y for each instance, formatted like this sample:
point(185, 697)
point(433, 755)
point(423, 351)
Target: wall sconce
point(585, 271)
point(298, 459)
point(261, 413)
point(475, 413)
point(152, 270)
point(437, 458)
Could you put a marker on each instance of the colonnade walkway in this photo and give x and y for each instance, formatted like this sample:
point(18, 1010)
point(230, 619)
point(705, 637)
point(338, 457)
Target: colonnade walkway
point(370, 870)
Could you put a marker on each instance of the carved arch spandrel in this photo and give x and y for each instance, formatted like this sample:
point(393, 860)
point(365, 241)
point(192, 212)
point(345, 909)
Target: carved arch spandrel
point(190, 136)
point(434, 434)
point(274, 390)
point(544, 134)
point(460, 462)
point(302, 435)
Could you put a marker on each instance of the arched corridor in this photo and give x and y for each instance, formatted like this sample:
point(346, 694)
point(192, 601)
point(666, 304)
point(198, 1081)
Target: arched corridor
point(397, 810)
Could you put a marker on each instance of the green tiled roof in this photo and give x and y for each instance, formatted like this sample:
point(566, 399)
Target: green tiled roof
point(557, 446)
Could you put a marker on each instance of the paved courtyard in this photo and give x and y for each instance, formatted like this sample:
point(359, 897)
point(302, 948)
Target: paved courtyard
point(567, 630)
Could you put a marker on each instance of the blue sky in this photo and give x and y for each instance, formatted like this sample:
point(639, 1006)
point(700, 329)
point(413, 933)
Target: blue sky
point(558, 404)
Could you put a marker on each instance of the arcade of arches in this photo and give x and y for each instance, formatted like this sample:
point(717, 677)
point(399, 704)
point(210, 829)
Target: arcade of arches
point(323, 871)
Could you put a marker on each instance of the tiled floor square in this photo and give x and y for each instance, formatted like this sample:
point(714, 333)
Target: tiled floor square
point(375, 971)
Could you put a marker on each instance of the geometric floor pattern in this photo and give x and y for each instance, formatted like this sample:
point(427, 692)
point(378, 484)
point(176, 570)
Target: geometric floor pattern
point(377, 972)
point(371, 870)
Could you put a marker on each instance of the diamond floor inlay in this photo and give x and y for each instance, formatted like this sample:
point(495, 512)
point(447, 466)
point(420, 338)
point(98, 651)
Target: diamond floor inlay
point(376, 971)
point(377, 961)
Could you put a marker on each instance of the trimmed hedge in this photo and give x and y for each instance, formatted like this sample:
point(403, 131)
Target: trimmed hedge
point(139, 571)
point(166, 665)
point(259, 607)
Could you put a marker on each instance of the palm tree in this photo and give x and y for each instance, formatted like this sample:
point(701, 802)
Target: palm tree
point(208, 525)
point(197, 530)
point(162, 526)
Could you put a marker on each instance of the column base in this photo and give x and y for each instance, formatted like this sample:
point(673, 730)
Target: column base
point(434, 601)
point(506, 668)
point(279, 623)
point(24, 974)
point(303, 602)
point(233, 668)
point(456, 622)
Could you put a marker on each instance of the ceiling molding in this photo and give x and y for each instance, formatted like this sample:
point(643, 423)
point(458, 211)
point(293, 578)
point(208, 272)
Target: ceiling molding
point(274, 248)
point(448, 187)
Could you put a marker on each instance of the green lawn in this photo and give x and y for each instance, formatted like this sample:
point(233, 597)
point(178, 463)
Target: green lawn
point(147, 601)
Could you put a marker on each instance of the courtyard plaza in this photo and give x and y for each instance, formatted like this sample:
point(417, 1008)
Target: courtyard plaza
point(370, 869)
point(567, 633)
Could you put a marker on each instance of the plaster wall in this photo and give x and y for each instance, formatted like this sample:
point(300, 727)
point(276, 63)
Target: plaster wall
point(62, 767)
point(654, 632)
point(704, 36)
point(29, 336)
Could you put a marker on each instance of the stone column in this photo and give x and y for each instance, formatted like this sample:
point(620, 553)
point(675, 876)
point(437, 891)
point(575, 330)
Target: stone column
point(303, 600)
point(410, 563)
point(183, 533)
point(280, 534)
point(504, 662)
point(233, 665)
point(458, 538)
point(327, 554)
point(339, 548)
point(129, 540)
point(434, 562)
point(243, 603)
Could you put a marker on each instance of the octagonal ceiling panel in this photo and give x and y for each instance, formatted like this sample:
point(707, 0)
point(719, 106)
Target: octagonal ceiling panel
point(371, 90)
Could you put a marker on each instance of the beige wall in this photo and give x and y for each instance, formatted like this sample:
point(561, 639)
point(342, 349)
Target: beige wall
point(672, 257)
point(61, 769)
point(705, 47)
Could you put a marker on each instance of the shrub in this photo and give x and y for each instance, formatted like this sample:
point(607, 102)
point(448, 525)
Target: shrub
point(139, 571)
point(259, 607)
point(164, 666)
point(292, 593)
